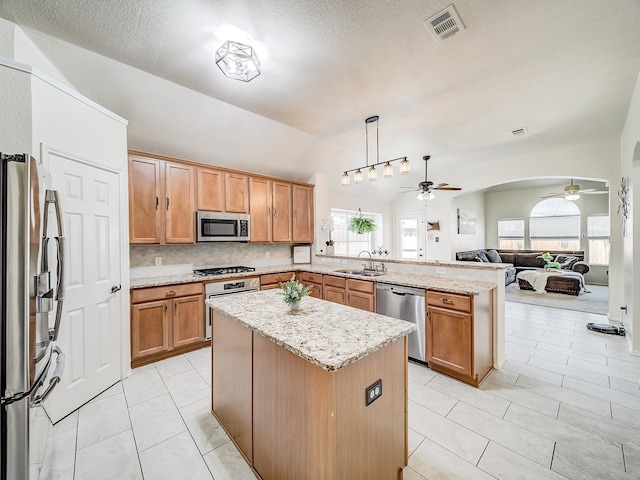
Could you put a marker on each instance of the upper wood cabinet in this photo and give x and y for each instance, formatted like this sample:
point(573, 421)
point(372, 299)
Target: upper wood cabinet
point(260, 209)
point(236, 192)
point(302, 221)
point(281, 212)
point(161, 201)
point(211, 190)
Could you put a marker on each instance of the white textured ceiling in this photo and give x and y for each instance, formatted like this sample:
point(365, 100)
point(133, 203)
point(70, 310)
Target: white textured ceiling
point(565, 69)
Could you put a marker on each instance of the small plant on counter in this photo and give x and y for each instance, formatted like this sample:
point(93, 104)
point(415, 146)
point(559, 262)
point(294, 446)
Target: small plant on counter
point(361, 224)
point(549, 263)
point(293, 291)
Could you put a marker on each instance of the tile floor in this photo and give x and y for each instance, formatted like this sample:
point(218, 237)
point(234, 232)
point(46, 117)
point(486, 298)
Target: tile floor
point(565, 405)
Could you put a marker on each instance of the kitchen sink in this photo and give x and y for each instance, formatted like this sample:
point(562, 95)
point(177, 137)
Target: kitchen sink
point(362, 273)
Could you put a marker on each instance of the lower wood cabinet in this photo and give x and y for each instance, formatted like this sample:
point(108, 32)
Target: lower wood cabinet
point(459, 334)
point(350, 291)
point(166, 321)
point(311, 279)
point(273, 280)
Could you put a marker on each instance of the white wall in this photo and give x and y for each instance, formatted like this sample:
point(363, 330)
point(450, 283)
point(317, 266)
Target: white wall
point(475, 203)
point(15, 128)
point(630, 251)
point(6, 38)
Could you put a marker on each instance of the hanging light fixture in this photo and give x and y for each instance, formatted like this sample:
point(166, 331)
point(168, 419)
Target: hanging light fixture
point(238, 61)
point(372, 172)
point(387, 171)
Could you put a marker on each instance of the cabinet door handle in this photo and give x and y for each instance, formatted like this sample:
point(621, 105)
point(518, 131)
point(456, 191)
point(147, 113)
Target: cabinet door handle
point(446, 300)
point(167, 203)
point(342, 295)
point(268, 211)
point(166, 307)
point(295, 213)
point(157, 202)
point(274, 211)
point(170, 293)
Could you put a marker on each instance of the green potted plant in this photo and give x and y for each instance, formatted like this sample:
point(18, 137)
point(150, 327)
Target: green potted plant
point(549, 263)
point(361, 224)
point(293, 291)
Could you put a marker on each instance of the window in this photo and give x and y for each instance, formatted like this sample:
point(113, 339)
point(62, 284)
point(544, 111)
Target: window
point(348, 243)
point(555, 225)
point(511, 234)
point(598, 238)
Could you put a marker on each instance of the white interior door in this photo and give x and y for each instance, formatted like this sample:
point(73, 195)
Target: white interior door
point(409, 236)
point(90, 329)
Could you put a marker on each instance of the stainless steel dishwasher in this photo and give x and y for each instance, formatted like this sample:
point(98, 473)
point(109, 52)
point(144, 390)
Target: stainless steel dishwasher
point(405, 303)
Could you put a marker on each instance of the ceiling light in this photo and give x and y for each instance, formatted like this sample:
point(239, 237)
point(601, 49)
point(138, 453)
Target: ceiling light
point(404, 167)
point(420, 196)
point(238, 61)
point(572, 196)
point(431, 195)
point(372, 172)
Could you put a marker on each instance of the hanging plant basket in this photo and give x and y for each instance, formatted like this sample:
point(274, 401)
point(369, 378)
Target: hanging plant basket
point(361, 224)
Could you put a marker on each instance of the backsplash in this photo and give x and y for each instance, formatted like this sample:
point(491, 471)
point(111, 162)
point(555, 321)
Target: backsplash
point(212, 254)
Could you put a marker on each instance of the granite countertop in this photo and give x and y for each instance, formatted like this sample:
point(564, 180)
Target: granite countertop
point(326, 334)
point(444, 284)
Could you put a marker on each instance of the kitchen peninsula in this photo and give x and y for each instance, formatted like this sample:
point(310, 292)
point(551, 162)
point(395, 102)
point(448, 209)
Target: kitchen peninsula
point(294, 389)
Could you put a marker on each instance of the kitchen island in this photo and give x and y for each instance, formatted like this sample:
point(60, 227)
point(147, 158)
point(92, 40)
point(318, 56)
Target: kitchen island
point(293, 389)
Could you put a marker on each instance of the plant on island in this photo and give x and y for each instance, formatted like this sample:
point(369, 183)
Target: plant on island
point(549, 263)
point(293, 291)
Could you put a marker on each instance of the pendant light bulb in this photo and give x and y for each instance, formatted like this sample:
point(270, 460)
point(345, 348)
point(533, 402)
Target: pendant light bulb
point(357, 177)
point(372, 174)
point(420, 196)
point(431, 196)
point(346, 180)
point(387, 171)
point(404, 167)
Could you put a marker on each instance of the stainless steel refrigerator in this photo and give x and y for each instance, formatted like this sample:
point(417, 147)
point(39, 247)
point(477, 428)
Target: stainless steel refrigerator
point(31, 299)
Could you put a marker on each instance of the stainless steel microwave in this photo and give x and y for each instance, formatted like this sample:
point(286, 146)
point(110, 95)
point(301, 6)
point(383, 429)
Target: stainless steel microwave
point(222, 227)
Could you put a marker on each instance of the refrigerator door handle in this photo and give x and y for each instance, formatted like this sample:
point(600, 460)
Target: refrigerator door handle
point(55, 379)
point(52, 197)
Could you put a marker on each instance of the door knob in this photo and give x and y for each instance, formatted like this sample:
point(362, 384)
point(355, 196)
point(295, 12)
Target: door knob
point(116, 288)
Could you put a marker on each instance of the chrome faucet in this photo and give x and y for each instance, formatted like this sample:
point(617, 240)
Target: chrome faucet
point(371, 264)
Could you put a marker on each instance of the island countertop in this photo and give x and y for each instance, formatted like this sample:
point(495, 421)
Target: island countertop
point(326, 334)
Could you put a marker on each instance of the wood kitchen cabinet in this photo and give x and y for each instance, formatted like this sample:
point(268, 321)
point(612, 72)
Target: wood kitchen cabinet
point(236, 187)
point(311, 279)
point(211, 190)
point(273, 280)
point(270, 210)
point(335, 289)
point(166, 321)
point(302, 219)
point(460, 335)
point(350, 291)
point(161, 201)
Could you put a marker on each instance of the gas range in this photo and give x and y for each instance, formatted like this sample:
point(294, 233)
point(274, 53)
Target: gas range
point(223, 270)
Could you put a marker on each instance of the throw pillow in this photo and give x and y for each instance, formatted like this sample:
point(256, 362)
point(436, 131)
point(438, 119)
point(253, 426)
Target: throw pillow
point(566, 261)
point(481, 257)
point(493, 256)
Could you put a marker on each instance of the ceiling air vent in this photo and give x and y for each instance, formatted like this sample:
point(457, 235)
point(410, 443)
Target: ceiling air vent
point(444, 24)
point(519, 132)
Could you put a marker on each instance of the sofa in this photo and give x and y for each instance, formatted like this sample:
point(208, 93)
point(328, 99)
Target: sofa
point(524, 260)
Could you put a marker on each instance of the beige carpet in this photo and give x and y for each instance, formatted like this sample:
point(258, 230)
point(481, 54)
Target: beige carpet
point(595, 302)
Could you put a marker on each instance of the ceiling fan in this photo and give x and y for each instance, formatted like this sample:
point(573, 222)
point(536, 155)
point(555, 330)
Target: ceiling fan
point(573, 192)
point(426, 188)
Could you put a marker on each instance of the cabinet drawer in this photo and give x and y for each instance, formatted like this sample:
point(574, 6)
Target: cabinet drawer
point(275, 278)
point(309, 277)
point(449, 300)
point(166, 292)
point(361, 286)
point(332, 281)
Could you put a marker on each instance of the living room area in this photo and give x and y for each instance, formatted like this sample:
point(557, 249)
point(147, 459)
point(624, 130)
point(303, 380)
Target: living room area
point(525, 220)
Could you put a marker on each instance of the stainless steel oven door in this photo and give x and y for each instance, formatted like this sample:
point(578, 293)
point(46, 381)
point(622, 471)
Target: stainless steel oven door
point(228, 287)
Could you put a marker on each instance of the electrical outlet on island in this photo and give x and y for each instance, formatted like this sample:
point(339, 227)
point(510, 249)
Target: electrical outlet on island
point(158, 261)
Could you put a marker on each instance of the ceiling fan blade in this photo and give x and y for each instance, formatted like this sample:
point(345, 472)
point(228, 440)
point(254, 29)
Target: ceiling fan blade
point(414, 188)
point(408, 191)
point(553, 195)
point(448, 188)
point(595, 192)
point(441, 185)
